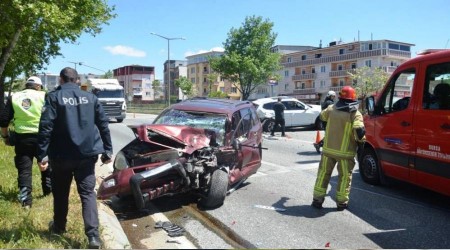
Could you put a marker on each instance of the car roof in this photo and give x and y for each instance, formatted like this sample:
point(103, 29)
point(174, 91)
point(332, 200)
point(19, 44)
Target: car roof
point(274, 99)
point(212, 105)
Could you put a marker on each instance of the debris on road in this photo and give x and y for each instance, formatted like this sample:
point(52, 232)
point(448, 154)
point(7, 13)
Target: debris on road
point(171, 229)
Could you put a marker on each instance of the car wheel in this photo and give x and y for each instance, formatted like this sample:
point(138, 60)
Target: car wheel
point(268, 125)
point(119, 120)
point(218, 187)
point(318, 124)
point(369, 168)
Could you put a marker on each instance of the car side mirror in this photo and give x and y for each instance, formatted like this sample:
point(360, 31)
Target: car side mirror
point(370, 105)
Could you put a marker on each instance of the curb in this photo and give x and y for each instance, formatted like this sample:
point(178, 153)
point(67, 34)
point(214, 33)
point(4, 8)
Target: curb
point(111, 231)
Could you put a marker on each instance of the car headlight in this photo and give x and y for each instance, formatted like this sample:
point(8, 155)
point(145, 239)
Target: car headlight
point(120, 162)
point(109, 183)
point(124, 106)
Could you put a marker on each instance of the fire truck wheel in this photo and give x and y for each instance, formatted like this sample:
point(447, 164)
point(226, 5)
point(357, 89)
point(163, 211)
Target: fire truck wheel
point(369, 167)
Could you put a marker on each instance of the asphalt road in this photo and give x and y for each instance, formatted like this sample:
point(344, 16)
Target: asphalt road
point(272, 208)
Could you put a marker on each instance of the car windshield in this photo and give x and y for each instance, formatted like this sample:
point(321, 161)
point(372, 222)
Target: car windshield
point(117, 93)
point(211, 121)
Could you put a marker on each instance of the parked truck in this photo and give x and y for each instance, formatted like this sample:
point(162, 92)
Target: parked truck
point(110, 94)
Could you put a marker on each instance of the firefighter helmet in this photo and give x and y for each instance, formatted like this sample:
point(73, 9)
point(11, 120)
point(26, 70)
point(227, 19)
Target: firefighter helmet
point(347, 93)
point(331, 93)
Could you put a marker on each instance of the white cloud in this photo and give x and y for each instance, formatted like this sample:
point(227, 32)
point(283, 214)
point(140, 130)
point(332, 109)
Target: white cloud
point(190, 53)
point(125, 50)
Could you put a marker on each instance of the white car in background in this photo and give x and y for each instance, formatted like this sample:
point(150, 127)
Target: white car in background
point(296, 113)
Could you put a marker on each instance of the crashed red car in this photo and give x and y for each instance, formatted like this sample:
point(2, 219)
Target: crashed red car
point(201, 146)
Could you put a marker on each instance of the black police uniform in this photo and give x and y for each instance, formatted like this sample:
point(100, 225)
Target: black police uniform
point(73, 131)
point(278, 108)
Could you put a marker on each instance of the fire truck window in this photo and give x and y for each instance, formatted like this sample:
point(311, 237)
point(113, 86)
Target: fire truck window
point(436, 94)
point(397, 94)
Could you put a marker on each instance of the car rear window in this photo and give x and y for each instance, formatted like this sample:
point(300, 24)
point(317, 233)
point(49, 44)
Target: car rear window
point(268, 105)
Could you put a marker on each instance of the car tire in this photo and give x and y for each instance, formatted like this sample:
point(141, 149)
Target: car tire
point(218, 187)
point(369, 168)
point(268, 125)
point(119, 120)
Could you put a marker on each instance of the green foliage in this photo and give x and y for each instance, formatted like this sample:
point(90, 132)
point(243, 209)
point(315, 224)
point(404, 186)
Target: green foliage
point(217, 94)
point(185, 85)
point(28, 229)
point(156, 85)
point(108, 74)
point(30, 31)
point(368, 80)
point(247, 59)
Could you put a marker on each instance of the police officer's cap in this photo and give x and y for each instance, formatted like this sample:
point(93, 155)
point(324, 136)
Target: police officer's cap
point(34, 80)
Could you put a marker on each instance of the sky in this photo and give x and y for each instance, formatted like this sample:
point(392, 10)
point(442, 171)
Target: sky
point(205, 24)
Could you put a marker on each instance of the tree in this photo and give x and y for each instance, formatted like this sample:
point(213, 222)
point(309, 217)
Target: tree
point(156, 85)
point(30, 31)
point(247, 60)
point(108, 74)
point(212, 78)
point(368, 80)
point(185, 85)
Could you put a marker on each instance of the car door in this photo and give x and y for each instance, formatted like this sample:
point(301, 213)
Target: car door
point(394, 125)
point(289, 113)
point(243, 122)
point(432, 128)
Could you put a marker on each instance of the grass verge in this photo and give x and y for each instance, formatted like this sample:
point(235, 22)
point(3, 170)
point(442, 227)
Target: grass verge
point(22, 228)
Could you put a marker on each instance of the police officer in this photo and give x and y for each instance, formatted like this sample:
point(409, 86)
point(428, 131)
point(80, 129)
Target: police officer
point(278, 108)
point(345, 130)
point(73, 131)
point(24, 109)
point(329, 100)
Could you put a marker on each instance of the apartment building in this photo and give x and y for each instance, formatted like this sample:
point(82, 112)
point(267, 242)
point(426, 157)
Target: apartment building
point(177, 68)
point(309, 74)
point(198, 72)
point(137, 81)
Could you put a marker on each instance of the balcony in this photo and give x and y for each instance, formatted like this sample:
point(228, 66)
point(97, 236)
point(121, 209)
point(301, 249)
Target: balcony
point(348, 57)
point(305, 91)
point(390, 69)
point(336, 88)
point(342, 73)
point(310, 76)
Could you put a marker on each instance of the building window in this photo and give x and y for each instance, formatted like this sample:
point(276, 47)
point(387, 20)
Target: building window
point(313, 84)
point(303, 85)
point(341, 83)
point(222, 89)
point(204, 79)
point(368, 63)
point(297, 85)
point(341, 51)
point(323, 69)
point(353, 65)
point(303, 57)
point(313, 70)
point(286, 86)
point(193, 79)
point(370, 46)
point(204, 90)
point(322, 83)
point(340, 67)
point(286, 73)
point(303, 71)
point(205, 69)
point(233, 90)
point(319, 55)
point(288, 59)
point(192, 70)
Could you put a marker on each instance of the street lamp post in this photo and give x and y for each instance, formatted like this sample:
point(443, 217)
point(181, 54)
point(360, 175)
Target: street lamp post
point(168, 58)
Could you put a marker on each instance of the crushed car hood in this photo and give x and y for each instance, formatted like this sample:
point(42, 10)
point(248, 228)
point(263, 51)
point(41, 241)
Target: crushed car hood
point(191, 138)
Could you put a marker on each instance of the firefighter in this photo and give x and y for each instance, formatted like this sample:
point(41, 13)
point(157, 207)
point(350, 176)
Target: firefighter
point(329, 100)
point(345, 132)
